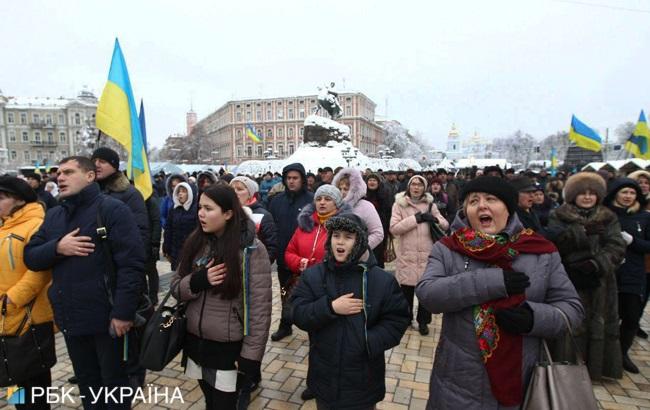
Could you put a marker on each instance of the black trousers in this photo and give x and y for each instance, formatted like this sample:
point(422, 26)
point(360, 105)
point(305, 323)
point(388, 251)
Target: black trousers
point(43, 380)
point(423, 315)
point(321, 405)
point(217, 399)
point(97, 361)
point(151, 271)
point(285, 318)
point(630, 309)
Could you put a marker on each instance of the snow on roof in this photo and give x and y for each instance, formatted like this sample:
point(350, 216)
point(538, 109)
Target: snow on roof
point(618, 164)
point(480, 162)
point(23, 103)
point(333, 155)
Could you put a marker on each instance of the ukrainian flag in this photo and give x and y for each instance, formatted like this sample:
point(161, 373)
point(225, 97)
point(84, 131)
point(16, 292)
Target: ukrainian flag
point(554, 162)
point(638, 142)
point(584, 136)
point(250, 132)
point(117, 117)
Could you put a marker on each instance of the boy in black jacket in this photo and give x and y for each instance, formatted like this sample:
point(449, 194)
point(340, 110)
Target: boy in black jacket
point(353, 311)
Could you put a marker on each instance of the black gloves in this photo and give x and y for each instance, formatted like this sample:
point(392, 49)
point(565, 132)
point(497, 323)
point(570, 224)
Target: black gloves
point(155, 253)
point(424, 217)
point(587, 266)
point(516, 282)
point(199, 281)
point(515, 320)
point(584, 274)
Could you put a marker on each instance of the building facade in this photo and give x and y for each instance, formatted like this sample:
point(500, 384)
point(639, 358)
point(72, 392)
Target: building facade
point(472, 147)
point(279, 122)
point(44, 130)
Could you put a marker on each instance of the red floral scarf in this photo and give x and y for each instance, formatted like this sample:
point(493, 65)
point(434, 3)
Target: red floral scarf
point(501, 351)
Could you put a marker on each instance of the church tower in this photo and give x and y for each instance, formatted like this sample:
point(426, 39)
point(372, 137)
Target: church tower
point(453, 143)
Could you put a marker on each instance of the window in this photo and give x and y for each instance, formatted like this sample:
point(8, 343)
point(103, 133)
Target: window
point(64, 153)
point(290, 116)
point(269, 133)
point(61, 119)
point(249, 150)
point(238, 116)
point(302, 131)
point(62, 137)
point(13, 154)
point(281, 149)
point(25, 136)
point(280, 132)
point(36, 118)
point(48, 119)
point(239, 151)
point(37, 136)
point(26, 156)
point(23, 118)
point(259, 150)
point(248, 116)
point(269, 114)
point(12, 136)
point(50, 137)
point(39, 155)
point(10, 118)
point(280, 112)
point(301, 113)
point(77, 136)
point(290, 132)
point(258, 115)
point(348, 110)
point(77, 119)
point(238, 134)
point(269, 147)
point(291, 149)
point(259, 133)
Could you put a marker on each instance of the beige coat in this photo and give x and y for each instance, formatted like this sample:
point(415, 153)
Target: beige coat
point(223, 319)
point(414, 238)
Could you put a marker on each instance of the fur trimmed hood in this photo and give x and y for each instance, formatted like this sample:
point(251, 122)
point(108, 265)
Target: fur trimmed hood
point(358, 188)
point(307, 221)
point(117, 182)
point(404, 200)
point(569, 214)
point(582, 181)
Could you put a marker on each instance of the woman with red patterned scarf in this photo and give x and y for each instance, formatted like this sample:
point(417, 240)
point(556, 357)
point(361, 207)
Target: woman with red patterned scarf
point(500, 288)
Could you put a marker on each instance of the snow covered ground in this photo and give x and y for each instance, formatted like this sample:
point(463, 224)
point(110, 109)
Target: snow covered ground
point(335, 154)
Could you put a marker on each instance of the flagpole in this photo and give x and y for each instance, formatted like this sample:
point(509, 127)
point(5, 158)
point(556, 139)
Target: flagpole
point(99, 135)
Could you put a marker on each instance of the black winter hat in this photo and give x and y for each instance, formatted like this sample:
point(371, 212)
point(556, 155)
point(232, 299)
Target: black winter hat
point(349, 223)
point(18, 187)
point(523, 184)
point(496, 186)
point(34, 176)
point(107, 155)
point(620, 183)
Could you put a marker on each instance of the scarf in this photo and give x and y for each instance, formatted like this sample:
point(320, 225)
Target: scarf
point(501, 352)
point(323, 218)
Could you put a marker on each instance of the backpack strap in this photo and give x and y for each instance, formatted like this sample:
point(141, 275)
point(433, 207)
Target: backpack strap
point(102, 237)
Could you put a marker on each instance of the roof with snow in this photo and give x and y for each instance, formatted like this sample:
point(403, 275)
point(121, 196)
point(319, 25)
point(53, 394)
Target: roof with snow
point(632, 163)
point(24, 103)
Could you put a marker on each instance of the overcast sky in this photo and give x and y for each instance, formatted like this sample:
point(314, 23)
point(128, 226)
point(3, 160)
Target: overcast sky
point(492, 67)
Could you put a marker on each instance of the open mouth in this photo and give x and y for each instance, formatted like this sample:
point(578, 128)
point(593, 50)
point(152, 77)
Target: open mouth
point(339, 251)
point(485, 220)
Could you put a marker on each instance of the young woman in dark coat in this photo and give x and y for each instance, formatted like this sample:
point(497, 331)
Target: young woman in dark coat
point(353, 311)
point(627, 201)
point(181, 220)
point(379, 196)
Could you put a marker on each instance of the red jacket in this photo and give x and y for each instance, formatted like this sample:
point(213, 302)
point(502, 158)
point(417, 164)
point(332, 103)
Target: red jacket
point(306, 244)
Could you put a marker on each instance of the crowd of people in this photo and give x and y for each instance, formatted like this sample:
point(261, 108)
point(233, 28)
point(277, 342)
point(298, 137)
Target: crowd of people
point(504, 256)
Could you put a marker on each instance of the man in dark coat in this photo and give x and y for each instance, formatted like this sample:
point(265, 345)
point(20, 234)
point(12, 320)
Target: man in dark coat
point(526, 189)
point(93, 323)
point(354, 311)
point(285, 208)
point(34, 180)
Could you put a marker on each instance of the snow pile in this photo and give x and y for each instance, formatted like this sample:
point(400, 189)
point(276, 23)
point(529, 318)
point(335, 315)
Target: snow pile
point(335, 154)
point(332, 126)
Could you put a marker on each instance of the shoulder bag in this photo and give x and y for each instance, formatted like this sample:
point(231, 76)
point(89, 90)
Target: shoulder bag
point(560, 385)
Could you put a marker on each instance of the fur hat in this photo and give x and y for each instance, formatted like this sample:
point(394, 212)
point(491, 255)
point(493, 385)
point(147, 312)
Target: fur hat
point(329, 191)
point(347, 222)
point(18, 187)
point(107, 155)
point(641, 173)
point(496, 186)
point(582, 181)
point(250, 185)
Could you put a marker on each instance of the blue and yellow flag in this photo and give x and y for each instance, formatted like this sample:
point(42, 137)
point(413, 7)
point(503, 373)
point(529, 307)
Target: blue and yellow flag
point(639, 141)
point(250, 132)
point(584, 136)
point(37, 167)
point(117, 117)
point(554, 162)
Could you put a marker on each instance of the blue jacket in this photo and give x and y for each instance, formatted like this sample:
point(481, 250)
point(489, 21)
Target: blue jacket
point(346, 354)
point(78, 293)
point(265, 187)
point(285, 208)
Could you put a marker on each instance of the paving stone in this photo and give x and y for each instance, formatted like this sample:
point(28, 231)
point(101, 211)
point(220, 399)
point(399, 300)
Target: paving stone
point(402, 395)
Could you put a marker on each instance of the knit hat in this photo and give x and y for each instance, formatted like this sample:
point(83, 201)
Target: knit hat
point(580, 183)
point(248, 183)
point(523, 184)
point(107, 155)
point(330, 191)
point(496, 186)
point(34, 176)
point(421, 178)
point(17, 187)
point(347, 222)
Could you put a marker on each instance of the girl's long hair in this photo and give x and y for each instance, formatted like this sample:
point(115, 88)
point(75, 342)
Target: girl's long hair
point(224, 196)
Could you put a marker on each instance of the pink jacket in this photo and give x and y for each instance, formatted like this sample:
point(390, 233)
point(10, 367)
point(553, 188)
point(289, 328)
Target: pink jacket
point(415, 241)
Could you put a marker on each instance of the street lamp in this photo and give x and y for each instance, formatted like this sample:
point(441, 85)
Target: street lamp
point(349, 154)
